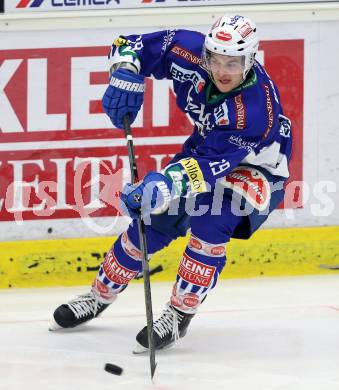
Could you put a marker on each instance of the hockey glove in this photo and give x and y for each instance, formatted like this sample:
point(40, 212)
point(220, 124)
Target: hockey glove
point(151, 196)
point(124, 95)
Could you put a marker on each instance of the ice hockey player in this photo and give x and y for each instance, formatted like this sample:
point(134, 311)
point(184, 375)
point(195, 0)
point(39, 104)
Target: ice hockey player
point(234, 165)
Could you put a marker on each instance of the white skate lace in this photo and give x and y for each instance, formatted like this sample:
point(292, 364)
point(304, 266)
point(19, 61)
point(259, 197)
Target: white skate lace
point(168, 322)
point(84, 305)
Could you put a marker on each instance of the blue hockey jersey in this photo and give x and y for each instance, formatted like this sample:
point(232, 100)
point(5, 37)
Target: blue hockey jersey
point(244, 126)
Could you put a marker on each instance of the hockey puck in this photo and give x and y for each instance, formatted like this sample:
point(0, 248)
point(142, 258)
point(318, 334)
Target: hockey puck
point(113, 369)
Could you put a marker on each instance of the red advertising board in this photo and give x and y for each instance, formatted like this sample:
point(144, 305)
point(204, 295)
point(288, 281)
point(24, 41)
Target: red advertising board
point(57, 148)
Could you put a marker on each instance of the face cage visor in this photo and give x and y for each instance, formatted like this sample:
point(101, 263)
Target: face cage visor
point(218, 63)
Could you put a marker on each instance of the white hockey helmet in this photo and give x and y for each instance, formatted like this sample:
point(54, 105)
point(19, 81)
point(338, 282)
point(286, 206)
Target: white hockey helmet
point(232, 35)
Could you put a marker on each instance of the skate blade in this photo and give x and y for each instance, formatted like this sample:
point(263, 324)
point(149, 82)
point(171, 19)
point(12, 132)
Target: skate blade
point(140, 350)
point(54, 326)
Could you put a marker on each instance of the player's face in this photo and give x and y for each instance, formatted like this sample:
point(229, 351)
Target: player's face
point(227, 71)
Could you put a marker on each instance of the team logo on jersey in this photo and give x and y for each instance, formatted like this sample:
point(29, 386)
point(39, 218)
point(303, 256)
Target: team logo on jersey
point(251, 184)
point(182, 75)
point(223, 36)
point(202, 120)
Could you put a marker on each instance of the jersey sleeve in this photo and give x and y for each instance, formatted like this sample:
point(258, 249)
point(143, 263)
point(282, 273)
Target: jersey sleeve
point(153, 50)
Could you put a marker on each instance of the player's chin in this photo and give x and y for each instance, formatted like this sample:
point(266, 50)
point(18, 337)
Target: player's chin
point(225, 87)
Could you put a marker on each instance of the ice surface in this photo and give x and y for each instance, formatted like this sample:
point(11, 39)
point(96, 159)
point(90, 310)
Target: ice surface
point(251, 334)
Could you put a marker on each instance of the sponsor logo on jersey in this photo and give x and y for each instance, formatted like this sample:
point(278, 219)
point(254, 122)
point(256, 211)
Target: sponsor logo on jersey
point(127, 85)
point(245, 30)
point(195, 272)
point(186, 54)
point(269, 108)
point(168, 39)
point(241, 144)
point(194, 174)
point(115, 272)
point(206, 248)
point(221, 115)
point(251, 184)
point(182, 75)
point(223, 36)
point(240, 112)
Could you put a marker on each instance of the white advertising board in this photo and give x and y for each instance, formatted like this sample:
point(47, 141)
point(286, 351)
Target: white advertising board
point(53, 129)
point(20, 6)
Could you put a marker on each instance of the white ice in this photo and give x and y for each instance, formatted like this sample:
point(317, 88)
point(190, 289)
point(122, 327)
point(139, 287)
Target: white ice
point(250, 334)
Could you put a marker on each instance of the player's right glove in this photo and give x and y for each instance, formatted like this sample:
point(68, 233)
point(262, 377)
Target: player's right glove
point(150, 196)
point(124, 95)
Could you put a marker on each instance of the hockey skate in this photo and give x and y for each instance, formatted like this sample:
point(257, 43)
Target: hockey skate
point(171, 326)
point(77, 311)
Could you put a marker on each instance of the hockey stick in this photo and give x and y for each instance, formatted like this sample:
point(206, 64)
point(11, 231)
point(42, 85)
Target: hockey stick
point(143, 248)
point(152, 271)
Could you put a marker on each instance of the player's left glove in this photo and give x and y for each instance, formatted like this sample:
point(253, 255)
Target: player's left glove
point(150, 196)
point(124, 95)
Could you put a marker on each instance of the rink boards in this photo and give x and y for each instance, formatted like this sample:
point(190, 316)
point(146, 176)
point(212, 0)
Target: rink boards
point(271, 252)
point(53, 131)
